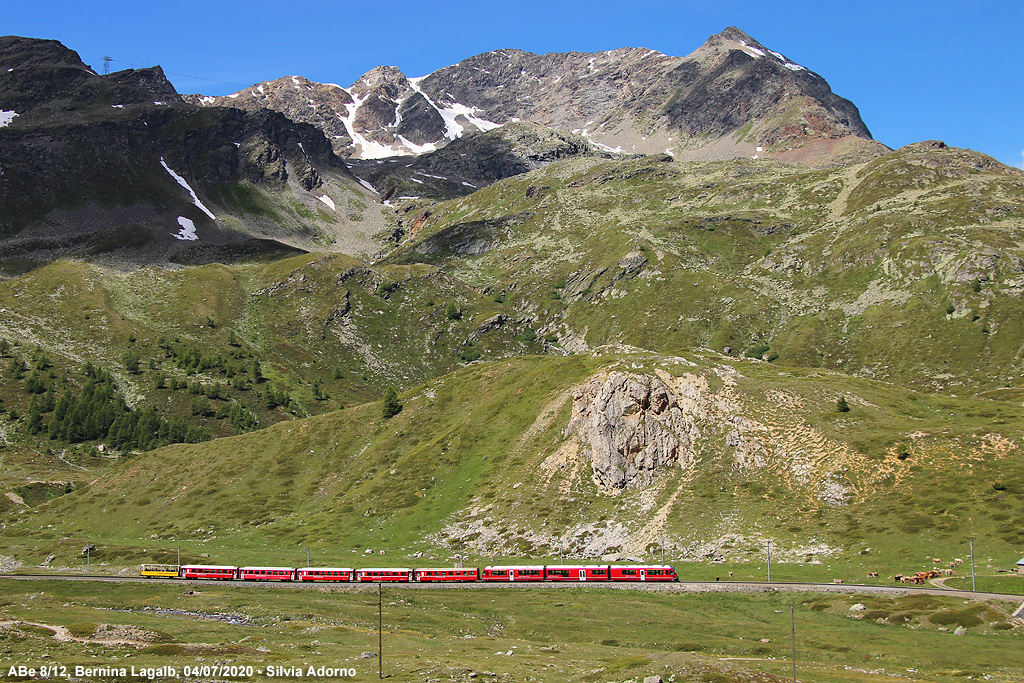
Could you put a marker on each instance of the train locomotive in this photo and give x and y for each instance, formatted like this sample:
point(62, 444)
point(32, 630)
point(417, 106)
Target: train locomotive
point(491, 574)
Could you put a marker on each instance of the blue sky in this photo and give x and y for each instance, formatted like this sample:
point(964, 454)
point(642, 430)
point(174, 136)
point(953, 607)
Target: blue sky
point(917, 70)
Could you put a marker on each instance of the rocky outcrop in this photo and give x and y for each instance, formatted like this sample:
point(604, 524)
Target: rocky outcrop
point(474, 160)
point(634, 427)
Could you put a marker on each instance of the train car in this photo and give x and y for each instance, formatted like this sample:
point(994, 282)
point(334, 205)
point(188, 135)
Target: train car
point(208, 571)
point(446, 574)
point(266, 573)
point(376, 574)
point(324, 574)
point(166, 571)
point(576, 572)
point(642, 572)
point(513, 573)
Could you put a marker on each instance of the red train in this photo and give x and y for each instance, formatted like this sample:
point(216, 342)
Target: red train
point(499, 573)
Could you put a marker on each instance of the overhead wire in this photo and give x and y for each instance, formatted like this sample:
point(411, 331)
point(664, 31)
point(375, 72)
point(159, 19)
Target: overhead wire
point(174, 73)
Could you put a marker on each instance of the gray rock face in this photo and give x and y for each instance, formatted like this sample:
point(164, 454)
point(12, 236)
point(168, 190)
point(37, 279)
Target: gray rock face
point(732, 97)
point(633, 426)
point(322, 105)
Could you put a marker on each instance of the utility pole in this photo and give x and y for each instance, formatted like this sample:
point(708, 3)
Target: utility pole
point(380, 630)
point(179, 556)
point(88, 568)
point(769, 561)
point(974, 581)
point(106, 65)
point(307, 557)
point(559, 552)
point(792, 628)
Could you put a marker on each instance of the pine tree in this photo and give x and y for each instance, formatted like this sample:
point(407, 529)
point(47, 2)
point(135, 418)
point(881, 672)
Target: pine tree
point(390, 405)
point(256, 372)
point(318, 393)
point(842, 406)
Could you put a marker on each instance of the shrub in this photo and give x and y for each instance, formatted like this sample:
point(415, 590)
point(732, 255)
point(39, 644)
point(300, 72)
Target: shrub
point(842, 406)
point(758, 351)
point(965, 617)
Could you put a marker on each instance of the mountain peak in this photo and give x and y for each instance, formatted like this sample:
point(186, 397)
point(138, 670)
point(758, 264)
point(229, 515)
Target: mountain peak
point(733, 33)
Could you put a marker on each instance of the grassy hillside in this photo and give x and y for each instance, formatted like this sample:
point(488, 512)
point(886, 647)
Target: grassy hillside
point(226, 349)
point(487, 461)
point(906, 268)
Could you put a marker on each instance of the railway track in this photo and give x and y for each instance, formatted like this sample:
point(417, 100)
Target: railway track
point(678, 587)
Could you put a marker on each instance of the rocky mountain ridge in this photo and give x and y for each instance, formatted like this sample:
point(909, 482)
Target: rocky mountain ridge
point(732, 97)
point(94, 165)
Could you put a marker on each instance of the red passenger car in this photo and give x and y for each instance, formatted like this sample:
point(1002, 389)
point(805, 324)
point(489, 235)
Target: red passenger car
point(324, 574)
point(266, 573)
point(208, 571)
point(642, 572)
point(513, 573)
point(384, 574)
point(446, 574)
point(576, 572)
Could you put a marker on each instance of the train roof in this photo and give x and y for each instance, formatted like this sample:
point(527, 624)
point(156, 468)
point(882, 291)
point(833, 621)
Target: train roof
point(578, 566)
point(445, 569)
point(384, 569)
point(207, 566)
point(290, 569)
point(641, 566)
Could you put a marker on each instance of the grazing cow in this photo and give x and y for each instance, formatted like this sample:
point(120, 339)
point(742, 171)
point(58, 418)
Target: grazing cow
point(837, 580)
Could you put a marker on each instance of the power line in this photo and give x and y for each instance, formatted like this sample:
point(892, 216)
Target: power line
point(108, 60)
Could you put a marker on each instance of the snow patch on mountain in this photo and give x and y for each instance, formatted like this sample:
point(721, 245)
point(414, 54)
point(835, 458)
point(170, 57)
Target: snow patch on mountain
point(6, 117)
point(184, 183)
point(188, 230)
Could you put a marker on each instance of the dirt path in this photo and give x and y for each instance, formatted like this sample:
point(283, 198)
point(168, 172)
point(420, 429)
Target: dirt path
point(61, 634)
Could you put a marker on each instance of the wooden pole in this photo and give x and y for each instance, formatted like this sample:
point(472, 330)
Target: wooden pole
point(792, 628)
point(974, 580)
